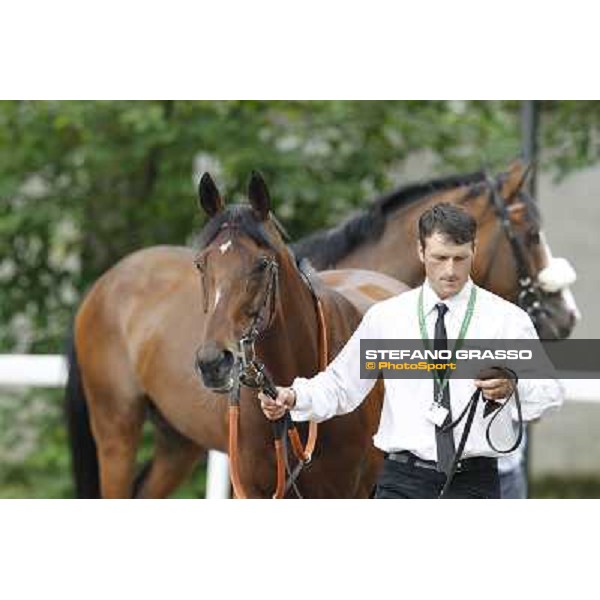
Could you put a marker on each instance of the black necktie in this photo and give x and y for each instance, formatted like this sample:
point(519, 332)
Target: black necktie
point(444, 439)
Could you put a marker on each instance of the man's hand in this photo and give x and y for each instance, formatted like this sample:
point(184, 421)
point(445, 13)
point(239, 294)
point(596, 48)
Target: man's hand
point(275, 409)
point(495, 389)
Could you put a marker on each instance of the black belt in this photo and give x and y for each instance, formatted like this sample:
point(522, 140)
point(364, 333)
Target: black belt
point(466, 464)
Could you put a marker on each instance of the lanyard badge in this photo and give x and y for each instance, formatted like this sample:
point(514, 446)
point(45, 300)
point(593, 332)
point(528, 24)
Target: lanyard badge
point(437, 413)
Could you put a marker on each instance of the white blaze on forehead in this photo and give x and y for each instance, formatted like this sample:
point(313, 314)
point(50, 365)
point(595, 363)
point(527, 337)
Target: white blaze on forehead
point(217, 296)
point(222, 249)
point(225, 246)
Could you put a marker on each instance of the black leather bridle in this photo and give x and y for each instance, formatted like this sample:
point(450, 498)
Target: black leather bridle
point(529, 295)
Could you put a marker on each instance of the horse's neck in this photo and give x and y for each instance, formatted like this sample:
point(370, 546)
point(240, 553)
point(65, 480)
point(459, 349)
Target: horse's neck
point(394, 253)
point(290, 347)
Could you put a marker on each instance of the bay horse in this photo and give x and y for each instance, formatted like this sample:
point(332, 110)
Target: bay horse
point(512, 259)
point(139, 324)
point(253, 287)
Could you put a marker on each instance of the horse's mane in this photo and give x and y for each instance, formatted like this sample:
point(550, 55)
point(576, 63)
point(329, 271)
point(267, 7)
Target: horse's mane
point(327, 246)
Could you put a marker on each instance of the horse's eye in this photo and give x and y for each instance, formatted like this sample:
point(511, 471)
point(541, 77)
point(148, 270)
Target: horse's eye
point(262, 263)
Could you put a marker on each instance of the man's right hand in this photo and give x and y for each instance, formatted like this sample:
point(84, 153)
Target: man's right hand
point(275, 408)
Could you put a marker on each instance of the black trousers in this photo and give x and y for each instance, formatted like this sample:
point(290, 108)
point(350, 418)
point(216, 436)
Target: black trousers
point(401, 480)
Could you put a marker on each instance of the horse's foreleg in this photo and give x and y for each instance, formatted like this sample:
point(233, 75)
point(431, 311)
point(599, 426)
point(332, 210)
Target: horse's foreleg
point(174, 459)
point(117, 437)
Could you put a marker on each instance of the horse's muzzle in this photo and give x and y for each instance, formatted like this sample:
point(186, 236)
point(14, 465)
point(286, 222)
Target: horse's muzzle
point(215, 369)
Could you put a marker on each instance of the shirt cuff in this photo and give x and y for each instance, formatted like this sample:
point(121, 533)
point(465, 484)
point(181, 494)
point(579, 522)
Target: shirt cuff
point(301, 409)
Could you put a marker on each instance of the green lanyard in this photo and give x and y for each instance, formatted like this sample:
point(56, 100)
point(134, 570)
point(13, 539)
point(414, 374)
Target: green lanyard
point(443, 381)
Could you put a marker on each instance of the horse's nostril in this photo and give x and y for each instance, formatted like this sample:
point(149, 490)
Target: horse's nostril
point(214, 367)
point(199, 366)
point(227, 360)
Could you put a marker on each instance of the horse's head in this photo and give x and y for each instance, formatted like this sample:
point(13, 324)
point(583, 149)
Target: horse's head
point(240, 252)
point(512, 250)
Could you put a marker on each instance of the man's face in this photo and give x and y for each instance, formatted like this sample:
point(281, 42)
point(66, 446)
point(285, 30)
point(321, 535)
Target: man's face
point(447, 265)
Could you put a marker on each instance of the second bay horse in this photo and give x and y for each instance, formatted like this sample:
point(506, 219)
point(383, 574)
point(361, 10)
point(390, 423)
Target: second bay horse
point(512, 259)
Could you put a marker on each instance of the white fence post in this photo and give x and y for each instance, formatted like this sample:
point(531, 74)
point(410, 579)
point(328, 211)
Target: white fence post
point(218, 486)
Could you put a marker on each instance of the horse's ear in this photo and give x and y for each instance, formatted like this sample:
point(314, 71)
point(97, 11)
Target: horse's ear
point(210, 199)
point(517, 175)
point(258, 195)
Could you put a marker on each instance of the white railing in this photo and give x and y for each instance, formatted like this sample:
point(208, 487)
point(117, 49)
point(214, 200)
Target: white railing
point(20, 370)
point(25, 370)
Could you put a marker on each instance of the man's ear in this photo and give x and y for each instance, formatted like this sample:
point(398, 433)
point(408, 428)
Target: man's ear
point(421, 251)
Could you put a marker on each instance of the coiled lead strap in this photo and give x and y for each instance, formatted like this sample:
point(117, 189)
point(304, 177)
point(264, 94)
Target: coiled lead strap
point(471, 409)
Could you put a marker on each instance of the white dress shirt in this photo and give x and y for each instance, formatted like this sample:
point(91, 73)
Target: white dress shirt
point(404, 424)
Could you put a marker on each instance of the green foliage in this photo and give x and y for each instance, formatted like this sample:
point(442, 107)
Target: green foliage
point(82, 184)
point(33, 453)
point(572, 135)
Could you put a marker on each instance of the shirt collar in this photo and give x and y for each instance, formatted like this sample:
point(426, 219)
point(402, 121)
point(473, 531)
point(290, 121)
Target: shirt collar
point(457, 304)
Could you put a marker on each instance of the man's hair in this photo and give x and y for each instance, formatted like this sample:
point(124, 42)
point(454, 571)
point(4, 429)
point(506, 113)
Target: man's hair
point(450, 220)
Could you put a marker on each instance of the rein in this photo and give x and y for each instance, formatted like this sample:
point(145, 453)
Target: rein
point(252, 373)
point(491, 406)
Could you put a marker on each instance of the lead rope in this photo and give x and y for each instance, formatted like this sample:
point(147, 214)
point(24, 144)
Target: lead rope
point(234, 422)
point(491, 406)
point(304, 455)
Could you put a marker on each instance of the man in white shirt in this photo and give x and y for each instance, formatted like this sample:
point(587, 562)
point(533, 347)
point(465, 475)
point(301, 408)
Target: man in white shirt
point(419, 449)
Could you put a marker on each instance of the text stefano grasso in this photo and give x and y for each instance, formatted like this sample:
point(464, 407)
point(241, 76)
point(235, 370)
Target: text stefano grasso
point(471, 354)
